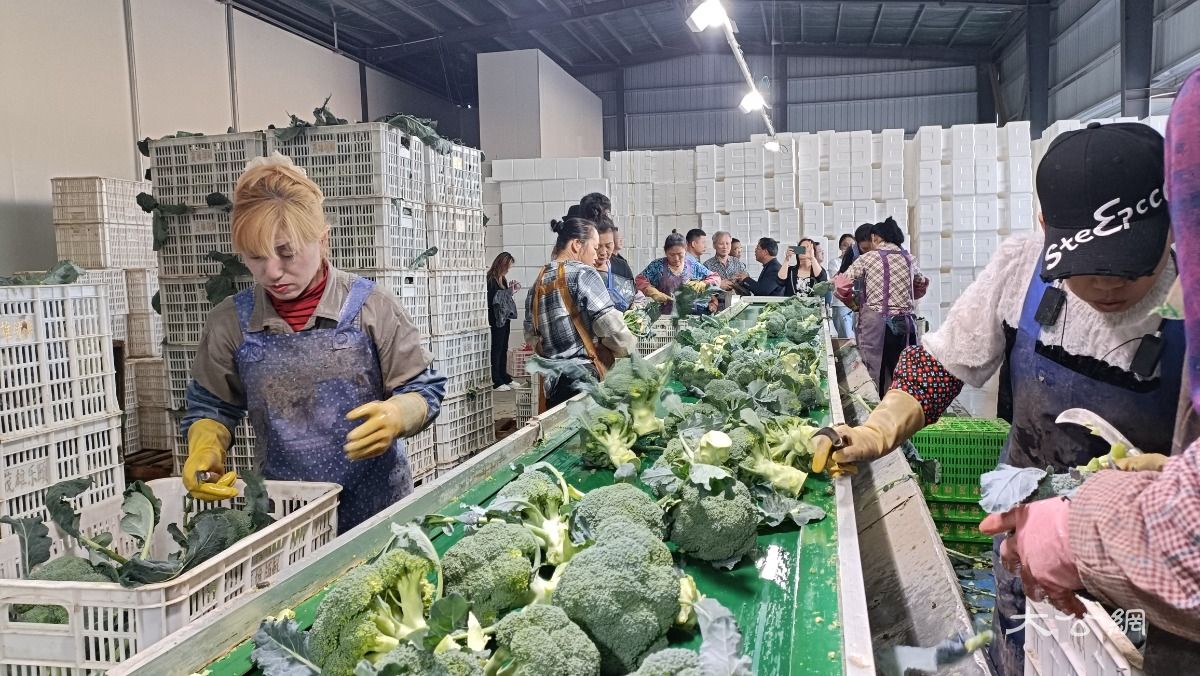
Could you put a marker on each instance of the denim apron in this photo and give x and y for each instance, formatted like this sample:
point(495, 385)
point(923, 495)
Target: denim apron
point(1041, 389)
point(299, 388)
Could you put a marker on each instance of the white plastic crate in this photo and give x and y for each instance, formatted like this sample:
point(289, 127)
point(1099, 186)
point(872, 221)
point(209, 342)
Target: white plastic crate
point(454, 179)
point(661, 335)
point(1063, 645)
point(156, 427)
point(93, 199)
point(190, 238)
point(375, 233)
point(457, 301)
point(131, 438)
point(113, 281)
point(464, 426)
point(185, 307)
point(178, 361)
point(105, 244)
point(151, 377)
point(141, 285)
point(412, 288)
point(129, 393)
point(120, 327)
point(517, 357)
point(465, 360)
point(458, 235)
point(56, 357)
point(370, 159)
point(109, 623)
point(240, 457)
point(420, 454)
point(145, 335)
point(527, 400)
point(187, 170)
point(32, 463)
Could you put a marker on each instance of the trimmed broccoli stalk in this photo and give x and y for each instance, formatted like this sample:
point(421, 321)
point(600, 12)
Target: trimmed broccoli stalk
point(492, 568)
point(671, 662)
point(63, 569)
point(542, 641)
point(767, 463)
point(608, 437)
point(539, 499)
point(370, 610)
point(689, 594)
point(791, 440)
point(716, 527)
point(621, 500)
point(636, 384)
point(623, 591)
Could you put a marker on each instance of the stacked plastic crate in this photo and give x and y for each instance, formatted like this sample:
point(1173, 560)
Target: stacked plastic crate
point(60, 415)
point(99, 226)
point(143, 358)
point(458, 305)
point(186, 170)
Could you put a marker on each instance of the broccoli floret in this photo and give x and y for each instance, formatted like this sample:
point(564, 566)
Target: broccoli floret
point(492, 568)
point(726, 395)
point(405, 658)
point(621, 500)
point(671, 662)
point(462, 663)
point(623, 591)
point(542, 641)
point(743, 441)
point(718, 528)
point(608, 438)
point(63, 569)
point(370, 610)
point(776, 326)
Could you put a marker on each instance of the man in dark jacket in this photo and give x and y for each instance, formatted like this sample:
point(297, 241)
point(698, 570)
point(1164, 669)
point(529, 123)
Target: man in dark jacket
point(768, 283)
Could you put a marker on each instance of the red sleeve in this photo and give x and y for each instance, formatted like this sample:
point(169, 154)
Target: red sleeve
point(1134, 538)
point(920, 375)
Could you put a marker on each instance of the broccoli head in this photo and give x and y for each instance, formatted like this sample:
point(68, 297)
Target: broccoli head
point(742, 443)
point(63, 569)
point(538, 500)
point(492, 567)
point(671, 662)
point(726, 395)
point(608, 438)
point(462, 663)
point(621, 500)
point(623, 591)
point(542, 641)
point(636, 384)
point(715, 527)
point(791, 440)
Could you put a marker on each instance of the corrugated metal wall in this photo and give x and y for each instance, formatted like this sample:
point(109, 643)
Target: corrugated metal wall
point(1085, 59)
point(693, 100)
point(1013, 65)
point(1177, 41)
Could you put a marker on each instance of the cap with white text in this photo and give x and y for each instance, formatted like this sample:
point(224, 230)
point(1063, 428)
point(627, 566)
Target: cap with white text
point(1101, 192)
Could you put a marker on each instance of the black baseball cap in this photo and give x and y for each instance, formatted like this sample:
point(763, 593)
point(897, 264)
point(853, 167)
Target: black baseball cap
point(1101, 191)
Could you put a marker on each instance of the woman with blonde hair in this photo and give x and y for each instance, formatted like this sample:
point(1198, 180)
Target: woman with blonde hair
point(329, 367)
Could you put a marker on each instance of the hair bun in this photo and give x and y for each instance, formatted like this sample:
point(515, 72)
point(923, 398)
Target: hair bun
point(555, 225)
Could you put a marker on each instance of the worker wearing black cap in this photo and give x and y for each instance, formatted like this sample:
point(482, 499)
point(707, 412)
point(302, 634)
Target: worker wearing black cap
point(1067, 317)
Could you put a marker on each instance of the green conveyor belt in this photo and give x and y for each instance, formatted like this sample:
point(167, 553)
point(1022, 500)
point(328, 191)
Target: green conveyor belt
point(785, 598)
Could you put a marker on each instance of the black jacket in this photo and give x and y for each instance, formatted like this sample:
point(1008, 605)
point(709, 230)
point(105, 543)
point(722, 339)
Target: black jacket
point(769, 283)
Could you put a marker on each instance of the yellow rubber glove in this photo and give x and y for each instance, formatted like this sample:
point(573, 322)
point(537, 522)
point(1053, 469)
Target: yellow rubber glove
point(208, 440)
point(383, 422)
point(1146, 462)
point(894, 421)
point(697, 285)
point(655, 295)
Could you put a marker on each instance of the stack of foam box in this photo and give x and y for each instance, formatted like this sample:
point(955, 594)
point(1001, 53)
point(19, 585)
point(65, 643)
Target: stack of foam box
point(521, 197)
point(653, 195)
point(99, 226)
point(60, 413)
point(460, 342)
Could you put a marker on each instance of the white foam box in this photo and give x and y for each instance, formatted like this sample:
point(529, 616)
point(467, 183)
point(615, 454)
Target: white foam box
point(808, 151)
point(710, 162)
point(843, 216)
point(897, 209)
point(860, 148)
point(565, 167)
point(534, 234)
point(710, 196)
point(574, 189)
point(617, 168)
point(644, 202)
point(987, 143)
point(891, 147)
point(531, 191)
point(491, 192)
point(755, 224)
point(962, 142)
point(928, 215)
point(812, 217)
point(928, 249)
point(839, 189)
point(861, 182)
point(512, 213)
point(685, 198)
point(1019, 213)
point(825, 146)
point(524, 170)
point(510, 191)
point(866, 211)
point(786, 194)
point(492, 213)
point(1015, 140)
point(962, 215)
point(928, 179)
point(986, 246)
point(787, 225)
point(962, 176)
point(493, 237)
point(987, 214)
point(552, 191)
point(1018, 175)
point(595, 184)
point(745, 159)
point(664, 166)
point(928, 144)
point(888, 182)
point(685, 165)
point(543, 168)
point(590, 167)
point(713, 222)
point(808, 185)
point(534, 212)
point(987, 177)
point(664, 199)
point(502, 170)
point(962, 244)
point(784, 160)
point(840, 149)
point(1157, 123)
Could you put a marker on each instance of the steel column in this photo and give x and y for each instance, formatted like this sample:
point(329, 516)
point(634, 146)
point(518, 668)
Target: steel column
point(1037, 52)
point(1137, 57)
point(619, 85)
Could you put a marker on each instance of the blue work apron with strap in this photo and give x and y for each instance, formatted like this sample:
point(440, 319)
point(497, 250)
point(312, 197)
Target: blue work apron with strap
point(619, 289)
point(1041, 389)
point(299, 388)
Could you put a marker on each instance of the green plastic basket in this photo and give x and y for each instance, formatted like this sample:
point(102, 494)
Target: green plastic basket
point(955, 512)
point(966, 448)
point(969, 547)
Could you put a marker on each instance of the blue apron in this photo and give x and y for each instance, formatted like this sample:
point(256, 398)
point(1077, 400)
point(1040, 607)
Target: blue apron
point(1041, 389)
point(299, 388)
point(619, 289)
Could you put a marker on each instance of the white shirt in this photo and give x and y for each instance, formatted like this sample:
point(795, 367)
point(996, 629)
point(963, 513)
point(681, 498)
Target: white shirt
point(970, 343)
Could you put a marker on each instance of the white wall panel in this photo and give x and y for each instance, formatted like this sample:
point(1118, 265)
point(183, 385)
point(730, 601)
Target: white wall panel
point(279, 73)
point(571, 118)
point(388, 95)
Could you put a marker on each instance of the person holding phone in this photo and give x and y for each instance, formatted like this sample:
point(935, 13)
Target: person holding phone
point(769, 282)
point(803, 269)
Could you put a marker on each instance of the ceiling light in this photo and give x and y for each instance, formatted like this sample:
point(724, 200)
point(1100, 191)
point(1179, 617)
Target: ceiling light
point(771, 146)
point(752, 101)
point(708, 14)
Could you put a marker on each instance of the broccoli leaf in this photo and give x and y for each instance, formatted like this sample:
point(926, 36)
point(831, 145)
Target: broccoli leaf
point(177, 535)
point(777, 508)
point(160, 230)
point(258, 503)
point(146, 201)
point(1006, 487)
point(412, 539)
point(281, 648)
point(218, 200)
point(61, 511)
point(721, 649)
point(205, 540)
point(710, 477)
point(139, 515)
point(447, 615)
point(156, 303)
point(661, 479)
point(34, 538)
point(625, 474)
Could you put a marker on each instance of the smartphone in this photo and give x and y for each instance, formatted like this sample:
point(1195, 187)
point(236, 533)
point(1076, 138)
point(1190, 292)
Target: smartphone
point(799, 250)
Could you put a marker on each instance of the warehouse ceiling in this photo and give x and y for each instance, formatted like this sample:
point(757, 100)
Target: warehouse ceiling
point(433, 43)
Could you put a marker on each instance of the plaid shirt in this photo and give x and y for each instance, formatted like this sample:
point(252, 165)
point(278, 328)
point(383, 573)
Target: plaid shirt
point(869, 266)
point(1135, 537)
point(556, 333)
point(728, 270)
